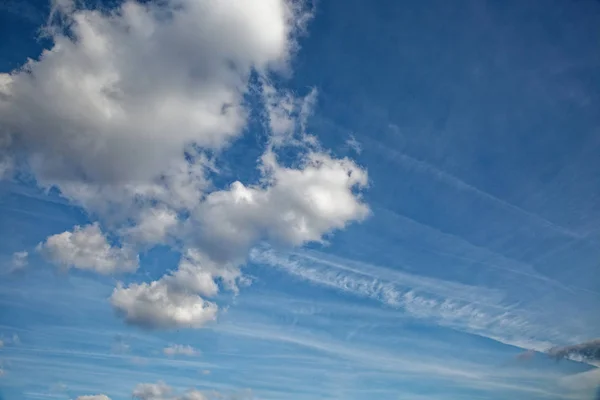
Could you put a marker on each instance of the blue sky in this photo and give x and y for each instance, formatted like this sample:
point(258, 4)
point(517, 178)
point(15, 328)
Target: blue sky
point(417, 206)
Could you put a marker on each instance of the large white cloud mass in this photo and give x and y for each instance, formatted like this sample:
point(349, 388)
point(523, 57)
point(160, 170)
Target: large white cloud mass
point(120, 95)
point(126, 114)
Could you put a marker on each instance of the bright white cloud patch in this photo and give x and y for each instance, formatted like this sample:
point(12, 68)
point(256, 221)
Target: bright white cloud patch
point(178, 349)
point(87, 248)
point(126, 114)
point(175, 300)
point(156, 305)
point(295, 206)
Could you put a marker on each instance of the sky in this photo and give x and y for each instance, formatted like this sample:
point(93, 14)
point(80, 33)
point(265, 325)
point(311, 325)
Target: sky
point(282, 199)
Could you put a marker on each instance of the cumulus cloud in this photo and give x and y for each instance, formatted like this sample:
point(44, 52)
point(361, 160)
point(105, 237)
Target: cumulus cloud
point(87, 248)
point(94, 397)
point(126, 114)
point(293, 206)
point(155, 305)
point(153, 225)
point(153, 391)
point(178, 349)
point(120, 94)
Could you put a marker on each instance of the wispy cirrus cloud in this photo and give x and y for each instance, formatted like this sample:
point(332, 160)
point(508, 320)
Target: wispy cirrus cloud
point(471, 309)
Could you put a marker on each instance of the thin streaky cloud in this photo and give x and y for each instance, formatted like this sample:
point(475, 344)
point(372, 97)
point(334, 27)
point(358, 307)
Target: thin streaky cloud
point(446, 177)
point(498, 322)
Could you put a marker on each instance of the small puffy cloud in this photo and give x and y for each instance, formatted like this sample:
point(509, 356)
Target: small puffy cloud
point(16, 340)
point(94, 397)
point(87, 248)
point(2, 372)
point(175, 300)
point(178, 349)
point(153, 391)
point(155, 305)
point(1, 343)
point(19, 260)
point(295, 206)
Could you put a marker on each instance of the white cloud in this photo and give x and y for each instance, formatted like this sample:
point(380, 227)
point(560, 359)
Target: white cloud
point(357, 284)
point(19, 260)
point(94, 397)
point(121, 114)
point(292, 207)
point(178, 349)
point(87, 248)
point(2, 372)
point(155, 305)
point(153, 226)
point(121, 96)
point(175, 300)
point(479, 311)
point(153, 391)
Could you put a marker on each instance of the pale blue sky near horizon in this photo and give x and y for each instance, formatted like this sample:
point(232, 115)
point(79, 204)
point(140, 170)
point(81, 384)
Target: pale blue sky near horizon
point(478, 124)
